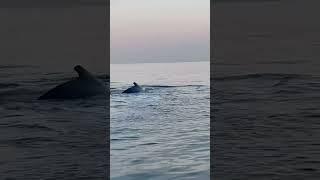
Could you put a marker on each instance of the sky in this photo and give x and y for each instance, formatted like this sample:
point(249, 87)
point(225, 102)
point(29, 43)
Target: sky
point(159, 30)
point(54, 38)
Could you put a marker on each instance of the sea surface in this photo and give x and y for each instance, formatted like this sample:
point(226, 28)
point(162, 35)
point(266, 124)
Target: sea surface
point(161, 133)
point(265, 89)
point(42, 139)
point(266, 123)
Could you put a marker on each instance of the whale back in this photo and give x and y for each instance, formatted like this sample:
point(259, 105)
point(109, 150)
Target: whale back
point(84, 86)
point(134, 89)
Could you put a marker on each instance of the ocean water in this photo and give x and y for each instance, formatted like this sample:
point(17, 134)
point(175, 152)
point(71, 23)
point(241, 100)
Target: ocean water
point(267, 122)
point(266, 83)
point(163, 132)
point(49, 139)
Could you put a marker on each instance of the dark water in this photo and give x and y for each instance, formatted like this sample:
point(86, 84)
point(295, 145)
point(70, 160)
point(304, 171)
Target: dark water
point(269, 117)
point(49, 139)
point(163, 132)
point(266, 84)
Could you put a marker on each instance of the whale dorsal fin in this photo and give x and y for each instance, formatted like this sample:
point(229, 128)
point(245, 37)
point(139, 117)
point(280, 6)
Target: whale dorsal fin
point(83, 73)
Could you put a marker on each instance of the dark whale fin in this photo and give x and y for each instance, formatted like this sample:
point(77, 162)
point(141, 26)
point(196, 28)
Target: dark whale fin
point(134, 89)
point(82, 72)
point(85, 86)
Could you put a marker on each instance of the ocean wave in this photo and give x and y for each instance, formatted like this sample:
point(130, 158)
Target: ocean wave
point(19, 92)
point(287, 92)
point(13, 115)
point(15, 66)
point(28, 141)
point(165, 86)
point(8, 85)
point(284, 62)
point(31, 126)
point(264, 76)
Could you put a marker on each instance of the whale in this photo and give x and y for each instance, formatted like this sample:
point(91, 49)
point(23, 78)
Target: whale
point(134, 89)
point(85, 85)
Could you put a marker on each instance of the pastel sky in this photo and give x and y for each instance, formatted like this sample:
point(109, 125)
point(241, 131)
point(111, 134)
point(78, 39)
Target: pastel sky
point(159, 30)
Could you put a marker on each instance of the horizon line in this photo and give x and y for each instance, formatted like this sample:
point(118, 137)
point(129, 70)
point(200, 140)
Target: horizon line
point(159, 62)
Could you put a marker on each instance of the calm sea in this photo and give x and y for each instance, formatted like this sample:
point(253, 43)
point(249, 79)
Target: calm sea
point(163, 132)
point(266, 84)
